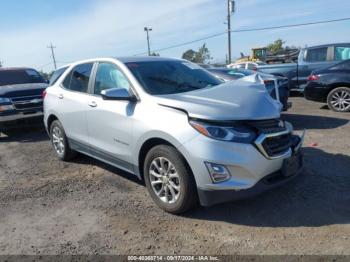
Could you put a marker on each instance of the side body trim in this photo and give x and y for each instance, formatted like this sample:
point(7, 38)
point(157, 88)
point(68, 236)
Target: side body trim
point(101, 155)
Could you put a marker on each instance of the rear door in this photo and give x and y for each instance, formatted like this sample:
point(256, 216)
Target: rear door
point(314, 58)
point(72, 104)
point(110, 122)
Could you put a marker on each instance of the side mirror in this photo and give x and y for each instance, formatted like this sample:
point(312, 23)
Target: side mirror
point(118, 94)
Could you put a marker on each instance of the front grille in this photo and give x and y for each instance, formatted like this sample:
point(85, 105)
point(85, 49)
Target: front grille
point(277, 145)
point(274, 137)
point(267, 126)
point(27, 102)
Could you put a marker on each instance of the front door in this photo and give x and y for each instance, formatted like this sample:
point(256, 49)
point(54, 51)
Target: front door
point(110, 122)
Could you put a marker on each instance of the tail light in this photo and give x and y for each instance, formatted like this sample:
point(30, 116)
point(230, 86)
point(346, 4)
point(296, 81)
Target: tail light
point(43, 94)
point(313, 78)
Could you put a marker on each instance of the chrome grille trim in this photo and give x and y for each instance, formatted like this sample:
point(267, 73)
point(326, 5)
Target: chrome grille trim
point(27, 102)
point(262, 137)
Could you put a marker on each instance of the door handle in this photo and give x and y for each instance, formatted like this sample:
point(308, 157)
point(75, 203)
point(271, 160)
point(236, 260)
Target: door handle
point(60, 96)
point(92, 104)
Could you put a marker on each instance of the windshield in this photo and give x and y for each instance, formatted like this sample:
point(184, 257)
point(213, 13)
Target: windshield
point(20, 76)
point(171, 77)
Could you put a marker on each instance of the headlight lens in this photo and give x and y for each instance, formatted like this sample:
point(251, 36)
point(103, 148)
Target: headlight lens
point(5, 104)
point(238, 133)
point(4, 100)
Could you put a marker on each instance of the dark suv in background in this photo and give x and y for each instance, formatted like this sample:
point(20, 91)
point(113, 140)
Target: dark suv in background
point(21, 101)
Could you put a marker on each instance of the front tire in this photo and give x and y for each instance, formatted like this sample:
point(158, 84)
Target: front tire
point(169, 180)
point(338, 99)
point(59, 142)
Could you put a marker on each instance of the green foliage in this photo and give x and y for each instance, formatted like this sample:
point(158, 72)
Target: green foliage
point(276, 46)
point(189, 55)
point(200, 56)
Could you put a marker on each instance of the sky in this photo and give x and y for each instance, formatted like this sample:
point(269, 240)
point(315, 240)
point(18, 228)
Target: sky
point(82, 29)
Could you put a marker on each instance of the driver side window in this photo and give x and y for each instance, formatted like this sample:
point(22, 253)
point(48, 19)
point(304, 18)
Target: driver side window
point(109, 76)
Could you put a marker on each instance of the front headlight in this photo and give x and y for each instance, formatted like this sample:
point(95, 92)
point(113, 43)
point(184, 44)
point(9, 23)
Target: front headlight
point(236, 133)
point(5, 104)
point(4, 100)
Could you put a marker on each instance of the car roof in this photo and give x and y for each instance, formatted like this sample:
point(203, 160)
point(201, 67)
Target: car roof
point(15, 68)
point(125, 59)
point(325, 45)
point(134, 59)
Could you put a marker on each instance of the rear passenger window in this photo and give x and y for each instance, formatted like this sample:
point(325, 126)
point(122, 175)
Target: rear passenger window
point(317, 54)
point(341, 53)
point(78, 79)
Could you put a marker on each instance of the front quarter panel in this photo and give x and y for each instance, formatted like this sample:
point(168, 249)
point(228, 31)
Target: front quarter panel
point(155, 121)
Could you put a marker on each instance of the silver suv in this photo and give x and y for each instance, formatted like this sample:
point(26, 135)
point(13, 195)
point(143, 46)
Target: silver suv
point(174, 125)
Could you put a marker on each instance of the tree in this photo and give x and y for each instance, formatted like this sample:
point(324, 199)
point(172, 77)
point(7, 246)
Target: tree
point(154, 54)
point(200, 56)
point(189, 55)
point(276, 46)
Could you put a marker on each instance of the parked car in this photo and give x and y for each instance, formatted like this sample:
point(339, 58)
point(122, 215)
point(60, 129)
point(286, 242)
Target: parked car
point(246, 65)
point(270, 82)
point(20, 97)
point(173, 124)
point(310, 59)
point(332, 86)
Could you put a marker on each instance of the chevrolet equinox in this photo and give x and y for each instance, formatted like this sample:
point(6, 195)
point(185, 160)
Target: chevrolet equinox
point(171, 123)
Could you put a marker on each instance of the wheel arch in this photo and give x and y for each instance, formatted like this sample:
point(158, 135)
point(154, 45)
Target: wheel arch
point(148, 145)
point(50, 119)
point(339, 84)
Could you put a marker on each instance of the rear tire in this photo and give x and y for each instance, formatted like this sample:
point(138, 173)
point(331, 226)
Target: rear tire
point(60, 143)
point(338, 99)
point(169, 180)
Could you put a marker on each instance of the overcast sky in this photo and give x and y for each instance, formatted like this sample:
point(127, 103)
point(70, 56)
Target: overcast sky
point(89, 28)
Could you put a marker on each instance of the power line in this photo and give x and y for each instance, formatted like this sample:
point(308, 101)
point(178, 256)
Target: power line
point(247, 30)
point(42, 66)
point(292, 25)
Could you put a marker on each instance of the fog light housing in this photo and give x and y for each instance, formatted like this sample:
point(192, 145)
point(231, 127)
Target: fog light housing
point(218, 173)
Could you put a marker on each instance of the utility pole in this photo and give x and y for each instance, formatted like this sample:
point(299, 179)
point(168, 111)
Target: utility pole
point(147, 29)
point(53, 54)
point(230, 10)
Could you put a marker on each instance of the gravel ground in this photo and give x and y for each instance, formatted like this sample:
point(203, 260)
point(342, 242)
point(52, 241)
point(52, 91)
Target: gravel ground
point(87, 207)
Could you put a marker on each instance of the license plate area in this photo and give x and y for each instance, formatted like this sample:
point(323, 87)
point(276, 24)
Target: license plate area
point(292, 165)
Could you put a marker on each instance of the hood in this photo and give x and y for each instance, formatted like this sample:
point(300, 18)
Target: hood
point(236, 100)
point(22, 89)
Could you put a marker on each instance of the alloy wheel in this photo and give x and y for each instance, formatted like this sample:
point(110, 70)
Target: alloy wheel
point(340, 100)
point(58, 140)
point(164, 180)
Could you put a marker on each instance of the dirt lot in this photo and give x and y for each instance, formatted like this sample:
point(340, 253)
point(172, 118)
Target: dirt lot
point(87, 207)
